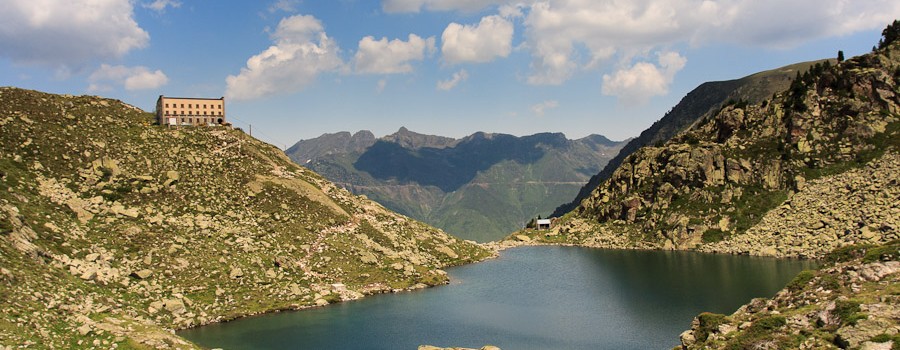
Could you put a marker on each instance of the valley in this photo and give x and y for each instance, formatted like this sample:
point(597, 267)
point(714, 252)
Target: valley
point(481, 187)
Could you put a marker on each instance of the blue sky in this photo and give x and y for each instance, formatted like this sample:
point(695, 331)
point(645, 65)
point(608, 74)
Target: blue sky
point(296, 69)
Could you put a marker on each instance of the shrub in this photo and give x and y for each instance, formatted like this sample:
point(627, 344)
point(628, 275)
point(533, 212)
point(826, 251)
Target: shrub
point(888, 252)
point(845, 254)
point(848, 311)
point(709, 322)
point(759, 331)
point(713, 235)
point(801, 280)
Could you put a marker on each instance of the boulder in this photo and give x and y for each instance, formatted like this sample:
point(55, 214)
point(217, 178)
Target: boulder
point(175, 306)
point(142, 274)
point(447, 251)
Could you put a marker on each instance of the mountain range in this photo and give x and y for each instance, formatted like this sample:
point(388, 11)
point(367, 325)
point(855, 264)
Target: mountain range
point(480, 187)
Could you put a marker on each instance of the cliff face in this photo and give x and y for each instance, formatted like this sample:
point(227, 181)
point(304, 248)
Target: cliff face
point(113, 230)
point(702, 102)
point(716, 180)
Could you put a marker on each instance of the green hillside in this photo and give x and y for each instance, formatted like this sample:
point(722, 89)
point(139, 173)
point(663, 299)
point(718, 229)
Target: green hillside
point(480, 187)
point(114, 230)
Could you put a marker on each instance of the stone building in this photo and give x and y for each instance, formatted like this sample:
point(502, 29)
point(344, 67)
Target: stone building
point(190, 111)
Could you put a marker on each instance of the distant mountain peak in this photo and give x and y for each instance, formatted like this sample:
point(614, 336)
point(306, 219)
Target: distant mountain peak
point(413, 140)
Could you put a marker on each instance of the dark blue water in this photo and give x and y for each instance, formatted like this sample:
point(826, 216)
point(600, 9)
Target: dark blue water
point(529, 298)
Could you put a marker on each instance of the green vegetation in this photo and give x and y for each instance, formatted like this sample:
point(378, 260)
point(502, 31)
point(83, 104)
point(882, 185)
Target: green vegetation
point(889, 35)
point(758, 332)
point(801, 280)
point(122, 230)
point(708, 322)
point(481, 187)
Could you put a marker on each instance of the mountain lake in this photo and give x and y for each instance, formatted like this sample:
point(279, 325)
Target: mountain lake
point(528, 298)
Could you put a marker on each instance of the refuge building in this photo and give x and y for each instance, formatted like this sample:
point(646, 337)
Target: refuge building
point(191, 111)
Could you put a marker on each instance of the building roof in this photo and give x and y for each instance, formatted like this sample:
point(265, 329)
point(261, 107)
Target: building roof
point(193, 98)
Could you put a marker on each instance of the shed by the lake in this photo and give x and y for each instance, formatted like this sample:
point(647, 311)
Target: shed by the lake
point(543, 224)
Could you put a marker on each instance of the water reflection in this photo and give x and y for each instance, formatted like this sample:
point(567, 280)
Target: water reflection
point(530, 298)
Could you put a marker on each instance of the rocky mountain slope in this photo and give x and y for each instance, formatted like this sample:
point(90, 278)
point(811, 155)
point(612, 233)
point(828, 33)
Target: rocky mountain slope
point(852, 303)
point(114, 231)
point(700, 103)
point(710, 187)
point(480, 187)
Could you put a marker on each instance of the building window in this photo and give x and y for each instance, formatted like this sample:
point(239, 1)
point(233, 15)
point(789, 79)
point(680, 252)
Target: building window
point(182, 120)
point(182, 105)
point(204, 106)
point(167, 105)
point(190, 113)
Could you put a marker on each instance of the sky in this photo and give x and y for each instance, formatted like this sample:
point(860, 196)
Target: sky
point(296, 69)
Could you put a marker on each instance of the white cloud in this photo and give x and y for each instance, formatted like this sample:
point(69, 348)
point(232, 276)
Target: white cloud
point(289, 6)
point(638, 83)
point(68, 34)
point(397, 6)
point(107, 77)
point(542, 107)
point(161, 5)
point(391, 57)
point(458, 77)
point(300, 53)
point(490, 39)
point(564, 36)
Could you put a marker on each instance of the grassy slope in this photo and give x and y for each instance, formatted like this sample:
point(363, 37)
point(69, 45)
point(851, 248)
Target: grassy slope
point(219, 225)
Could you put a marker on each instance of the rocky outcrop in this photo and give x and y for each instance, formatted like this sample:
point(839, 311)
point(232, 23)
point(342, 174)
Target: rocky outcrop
point(850, 304)
point(718, 179)
point(857, 206)
point(700, 103)
point(114, 231)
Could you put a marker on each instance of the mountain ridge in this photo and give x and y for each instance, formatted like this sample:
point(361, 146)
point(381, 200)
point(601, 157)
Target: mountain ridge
point(697, 104)
point(489, 182)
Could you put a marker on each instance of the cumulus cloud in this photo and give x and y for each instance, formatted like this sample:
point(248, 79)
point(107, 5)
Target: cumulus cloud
point(161, 5)
point(301, 52)
point(489, 39)
point(542, 107)
point(638, 83)
point(108, 77)
point(449, 84)
point(564, 36)
point(391, 57)
point(397, 6)
point(68, 34)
